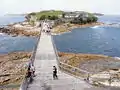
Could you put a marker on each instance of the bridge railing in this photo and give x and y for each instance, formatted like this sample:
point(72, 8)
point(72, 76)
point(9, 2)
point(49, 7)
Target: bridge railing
point(56, 52)
point(74, 70)
point(25, 81)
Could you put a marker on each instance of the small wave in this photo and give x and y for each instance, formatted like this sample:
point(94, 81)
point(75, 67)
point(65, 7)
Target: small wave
point(1, 33)
point(95, 27)
point(117, 58)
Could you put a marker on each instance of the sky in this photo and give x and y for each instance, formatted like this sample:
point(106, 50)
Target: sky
point(26, 6)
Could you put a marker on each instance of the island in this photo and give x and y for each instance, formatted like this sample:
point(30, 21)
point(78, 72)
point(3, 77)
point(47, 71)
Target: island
point(63, 21)
point(60, 22)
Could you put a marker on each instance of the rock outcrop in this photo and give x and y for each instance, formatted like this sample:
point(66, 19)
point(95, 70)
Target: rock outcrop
point(15, 31)
point(13, 67)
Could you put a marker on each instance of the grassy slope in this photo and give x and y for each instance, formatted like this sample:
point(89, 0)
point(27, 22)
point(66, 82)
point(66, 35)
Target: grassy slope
point(49, 13)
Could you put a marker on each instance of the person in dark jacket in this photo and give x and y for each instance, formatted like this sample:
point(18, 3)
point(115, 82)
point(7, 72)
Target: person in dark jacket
point(55, 73)
point(28, 72)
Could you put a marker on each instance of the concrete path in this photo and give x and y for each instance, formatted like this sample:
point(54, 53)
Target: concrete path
point(45, 59)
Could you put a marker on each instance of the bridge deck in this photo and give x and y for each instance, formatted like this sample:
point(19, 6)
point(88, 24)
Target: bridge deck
point(45, 59)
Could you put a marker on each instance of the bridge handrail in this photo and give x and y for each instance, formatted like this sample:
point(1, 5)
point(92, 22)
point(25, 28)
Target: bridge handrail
point(56, 52)
point(74, 68)
point(25, 82)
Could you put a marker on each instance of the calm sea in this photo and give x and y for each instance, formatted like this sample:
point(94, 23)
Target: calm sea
point(5, 20)
point(95, 40)
point(13, 44)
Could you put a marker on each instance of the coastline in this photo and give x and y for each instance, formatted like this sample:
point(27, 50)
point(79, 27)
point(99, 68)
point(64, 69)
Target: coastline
point(67, 27)
point(25, 29)
point(21, 29)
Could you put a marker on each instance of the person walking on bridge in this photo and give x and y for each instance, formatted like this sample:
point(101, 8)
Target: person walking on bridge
point(32, 70)
point(55, 73)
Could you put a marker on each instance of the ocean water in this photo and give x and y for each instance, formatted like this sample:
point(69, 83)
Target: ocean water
point(5, 20)
point(94, 40)
point(110, 19)
point(15, 44)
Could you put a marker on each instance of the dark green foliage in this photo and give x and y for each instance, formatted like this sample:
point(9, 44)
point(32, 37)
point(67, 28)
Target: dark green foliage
point(89, 19)
point(84, 20)
point(95, 19)
point(63, 15)
point(49, 14)
point(52, 17)
point(32, 14)
point(43, 17)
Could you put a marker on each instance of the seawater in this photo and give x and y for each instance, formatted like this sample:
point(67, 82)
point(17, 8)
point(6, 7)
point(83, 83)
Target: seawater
point(15, 44)
point(94, 40)
point(5, 20)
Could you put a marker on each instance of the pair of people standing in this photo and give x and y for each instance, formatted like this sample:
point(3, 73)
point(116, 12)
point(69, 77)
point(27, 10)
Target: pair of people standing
point(55, 73)
point(31, 71)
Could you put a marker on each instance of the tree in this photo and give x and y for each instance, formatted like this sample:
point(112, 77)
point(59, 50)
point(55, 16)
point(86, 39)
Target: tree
point(95, 19)
point(54, 17)
point(33, 14)
point(49, 17)
point(89, 19)
point(43, 17)
point(63, 15)
point(84, 20)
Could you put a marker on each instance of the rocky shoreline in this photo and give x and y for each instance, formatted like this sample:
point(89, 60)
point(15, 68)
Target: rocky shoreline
point(104, 70)
point(25, 29)
point(19, 29)
point(13, 67)
point(67, 27)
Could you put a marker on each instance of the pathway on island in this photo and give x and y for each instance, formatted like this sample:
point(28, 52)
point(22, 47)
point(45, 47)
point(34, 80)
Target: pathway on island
point(45, 59)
